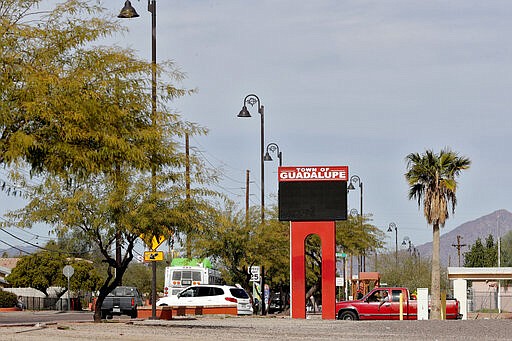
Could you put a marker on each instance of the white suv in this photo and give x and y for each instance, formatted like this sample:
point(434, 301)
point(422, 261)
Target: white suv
point(211, 295)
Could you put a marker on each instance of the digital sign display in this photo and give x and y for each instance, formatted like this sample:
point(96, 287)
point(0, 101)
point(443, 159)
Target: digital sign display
point(313, 193)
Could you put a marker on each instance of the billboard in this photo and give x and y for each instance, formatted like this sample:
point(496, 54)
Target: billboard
point(313, 193)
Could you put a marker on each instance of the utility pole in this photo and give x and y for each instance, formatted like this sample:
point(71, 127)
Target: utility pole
point(187, 191)
point(247, 198)
point(458, 246)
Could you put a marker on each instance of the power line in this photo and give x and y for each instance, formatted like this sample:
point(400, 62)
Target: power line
point(14, 247)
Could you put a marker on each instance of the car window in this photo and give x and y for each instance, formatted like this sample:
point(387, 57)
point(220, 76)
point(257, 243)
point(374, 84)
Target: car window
point(217, 291)
point(238, 293)
point(196, 276)
point(176, 275)
point(190, 292)
point(123, 291)
point(395, 295)
point(204, 291)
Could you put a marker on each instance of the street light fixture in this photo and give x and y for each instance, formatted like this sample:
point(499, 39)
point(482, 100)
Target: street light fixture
point(273, 147)
point(252, 100)
point(129, 12)
point(407, 242)
point(390, 229)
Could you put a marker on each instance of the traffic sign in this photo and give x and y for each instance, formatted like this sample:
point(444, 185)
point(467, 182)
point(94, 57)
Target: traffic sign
point(68, 271)
point(255, 273)
point(152, 256)
point(341, 255)
point(153, 242)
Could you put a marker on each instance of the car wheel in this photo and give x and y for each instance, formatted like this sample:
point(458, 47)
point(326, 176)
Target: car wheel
point(348, 315)
point(133, 314)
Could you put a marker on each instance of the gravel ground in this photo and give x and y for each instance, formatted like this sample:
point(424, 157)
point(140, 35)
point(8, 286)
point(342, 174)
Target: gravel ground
point(263, 328)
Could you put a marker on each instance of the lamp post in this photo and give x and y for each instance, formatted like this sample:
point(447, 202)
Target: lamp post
point(273, 147)
point(407, 243)
point(252, 100)
point(390, 229)
point(356, 179)
point(129, 12)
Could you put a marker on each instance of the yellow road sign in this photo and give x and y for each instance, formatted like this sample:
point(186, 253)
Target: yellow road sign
point(154, 242)
point(153, 256)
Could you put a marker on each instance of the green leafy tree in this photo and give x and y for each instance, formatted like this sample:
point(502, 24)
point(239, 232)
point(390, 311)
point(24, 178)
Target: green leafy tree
point(506, 249)
point(79, 116)
point(413, 271)
point(139, 275)
point(7, 299)
point(482, 256)
point(39, 271)
point(236, 244)
point(354, 236)
point(431, 178)
point(43, 269)
point(357, 236)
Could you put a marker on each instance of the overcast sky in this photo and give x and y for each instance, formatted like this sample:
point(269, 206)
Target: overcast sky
point(356, 83)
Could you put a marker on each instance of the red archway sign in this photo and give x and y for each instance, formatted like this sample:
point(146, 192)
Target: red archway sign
point(312, 199)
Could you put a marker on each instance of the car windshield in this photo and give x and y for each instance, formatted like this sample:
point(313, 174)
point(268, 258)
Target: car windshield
point(238, 293)
point(123, 291)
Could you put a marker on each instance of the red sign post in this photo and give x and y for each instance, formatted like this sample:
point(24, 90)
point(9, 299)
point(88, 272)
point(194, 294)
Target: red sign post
point(312, 198)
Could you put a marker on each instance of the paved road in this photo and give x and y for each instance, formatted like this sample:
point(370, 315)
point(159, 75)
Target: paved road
point(28, 317)
point(260, 328)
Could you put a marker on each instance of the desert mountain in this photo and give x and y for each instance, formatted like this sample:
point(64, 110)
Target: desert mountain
point(496, 223)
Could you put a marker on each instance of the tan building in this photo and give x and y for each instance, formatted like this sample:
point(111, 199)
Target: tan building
point(6, 265)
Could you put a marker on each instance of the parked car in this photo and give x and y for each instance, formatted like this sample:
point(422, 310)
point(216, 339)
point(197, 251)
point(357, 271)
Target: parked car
point(121, 301)
point(211, 295)
point(276, 304)
point(384, 304)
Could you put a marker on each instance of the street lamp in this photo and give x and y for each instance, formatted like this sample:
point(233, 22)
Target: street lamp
point(129, 12)
point(390, 229)
point(252, 100)
point(273, 147)
point(407, 242)
point(356, 179)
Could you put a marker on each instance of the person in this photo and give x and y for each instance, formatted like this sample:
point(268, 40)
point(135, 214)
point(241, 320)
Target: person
point(384, 298)
point(20, 303)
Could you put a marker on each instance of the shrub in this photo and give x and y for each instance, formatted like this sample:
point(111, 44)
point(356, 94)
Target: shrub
point(7, 299)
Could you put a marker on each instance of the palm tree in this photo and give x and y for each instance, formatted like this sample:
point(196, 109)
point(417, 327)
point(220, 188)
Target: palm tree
point(431, 178)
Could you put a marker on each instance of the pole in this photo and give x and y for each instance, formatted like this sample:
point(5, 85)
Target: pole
point(247, 198)
point(499, 262)
point(396, 246)
point(152, 9)
point(262, 155)
point(363, 257)
point(187, 191)
point(262, 290)
point(69, 296)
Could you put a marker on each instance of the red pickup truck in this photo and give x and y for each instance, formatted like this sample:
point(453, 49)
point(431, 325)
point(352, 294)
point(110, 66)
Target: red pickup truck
point(384, 304)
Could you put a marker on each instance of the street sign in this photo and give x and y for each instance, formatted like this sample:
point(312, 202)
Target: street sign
point(341, 255)
point(340, 281)
point(153, 256)
point(68, 271)
point(255, 273)
point(153, 242)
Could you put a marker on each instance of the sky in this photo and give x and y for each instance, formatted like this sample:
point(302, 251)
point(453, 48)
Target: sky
point(356, 83)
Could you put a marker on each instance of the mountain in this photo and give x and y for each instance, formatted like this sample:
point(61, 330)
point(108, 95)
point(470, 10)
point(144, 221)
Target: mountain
point(18, 251)
point(496, 223)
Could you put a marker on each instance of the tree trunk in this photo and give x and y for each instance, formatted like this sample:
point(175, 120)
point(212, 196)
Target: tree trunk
point(435, 304)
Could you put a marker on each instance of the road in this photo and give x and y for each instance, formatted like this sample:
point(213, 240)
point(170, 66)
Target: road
point(251, 328)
